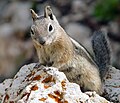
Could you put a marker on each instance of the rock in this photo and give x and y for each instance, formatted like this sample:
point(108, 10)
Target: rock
point(71, 18)
point(115, 53)
point(6, 30)
point(44, 85)
point(12, 53)
point(79, 6)
point(78, 12)
point(3, 86)
point(114, 27)
point(3, 4)
point(19, 14)
point(63, 5)
point(14, 24)
point(112, 85)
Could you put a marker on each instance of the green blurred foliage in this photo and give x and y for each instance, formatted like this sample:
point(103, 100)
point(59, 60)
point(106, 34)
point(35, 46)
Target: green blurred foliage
point(106, 10)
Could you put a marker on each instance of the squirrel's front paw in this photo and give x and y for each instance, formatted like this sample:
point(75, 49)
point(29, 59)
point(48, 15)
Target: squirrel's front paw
point(38, 65)
point(46, 69)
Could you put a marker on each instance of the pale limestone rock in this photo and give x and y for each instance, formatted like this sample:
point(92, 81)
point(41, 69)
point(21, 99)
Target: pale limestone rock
point(4, 86)
point(44, 85)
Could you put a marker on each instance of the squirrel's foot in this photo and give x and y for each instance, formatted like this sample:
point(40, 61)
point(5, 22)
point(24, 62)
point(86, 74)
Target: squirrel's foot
point(42, 66)
point(38, 65)
point(46, 69)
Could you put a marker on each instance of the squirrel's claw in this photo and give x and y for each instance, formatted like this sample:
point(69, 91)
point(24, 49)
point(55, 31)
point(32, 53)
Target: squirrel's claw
point(37, 65)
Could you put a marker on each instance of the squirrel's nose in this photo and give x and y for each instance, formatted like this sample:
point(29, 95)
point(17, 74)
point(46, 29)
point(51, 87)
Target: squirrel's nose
point(41, 41)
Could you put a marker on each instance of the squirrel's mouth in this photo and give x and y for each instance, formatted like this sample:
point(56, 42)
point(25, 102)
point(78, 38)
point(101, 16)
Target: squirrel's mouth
point(41, 40)
point(44, 41)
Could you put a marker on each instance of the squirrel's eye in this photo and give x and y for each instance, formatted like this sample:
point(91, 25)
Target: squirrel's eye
point(32, 32)
point(50, 28)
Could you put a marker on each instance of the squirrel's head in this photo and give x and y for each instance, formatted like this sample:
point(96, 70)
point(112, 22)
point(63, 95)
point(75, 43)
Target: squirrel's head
point(44, 28)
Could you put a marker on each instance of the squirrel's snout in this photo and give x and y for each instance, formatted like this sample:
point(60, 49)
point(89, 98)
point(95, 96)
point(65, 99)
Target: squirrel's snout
point(41, 41)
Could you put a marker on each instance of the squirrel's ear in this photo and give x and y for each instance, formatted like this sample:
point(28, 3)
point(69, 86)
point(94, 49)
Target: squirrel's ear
point(48, 12)
point(34, 15)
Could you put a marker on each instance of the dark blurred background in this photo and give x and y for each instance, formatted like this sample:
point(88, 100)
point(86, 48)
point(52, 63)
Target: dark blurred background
point(80, 18)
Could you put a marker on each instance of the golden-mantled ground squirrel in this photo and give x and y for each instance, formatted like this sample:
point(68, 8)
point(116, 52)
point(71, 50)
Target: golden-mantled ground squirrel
point(55, 48)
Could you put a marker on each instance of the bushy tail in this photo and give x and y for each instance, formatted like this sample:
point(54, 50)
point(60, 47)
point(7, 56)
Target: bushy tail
point(102, 51)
